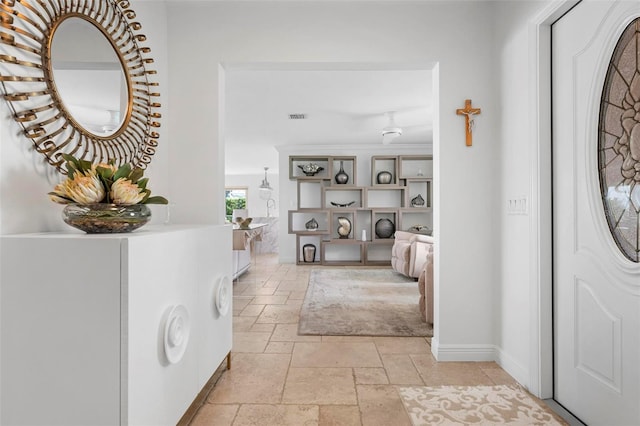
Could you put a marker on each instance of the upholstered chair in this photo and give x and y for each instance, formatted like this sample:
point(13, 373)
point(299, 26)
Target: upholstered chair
point(409, 253)
point(425, 285)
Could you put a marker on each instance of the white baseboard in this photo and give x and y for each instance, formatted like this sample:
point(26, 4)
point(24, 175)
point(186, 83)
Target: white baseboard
point(479, 353)
point(462, 352)
point(511, 366)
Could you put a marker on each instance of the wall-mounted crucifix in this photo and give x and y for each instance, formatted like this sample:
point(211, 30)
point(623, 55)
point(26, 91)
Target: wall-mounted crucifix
point(468, 113)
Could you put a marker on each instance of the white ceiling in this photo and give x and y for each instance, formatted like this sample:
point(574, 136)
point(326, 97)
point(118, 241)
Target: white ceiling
point(343, 107)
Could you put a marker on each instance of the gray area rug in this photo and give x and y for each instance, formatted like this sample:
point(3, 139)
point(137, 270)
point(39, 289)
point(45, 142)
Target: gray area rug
point(362, 302)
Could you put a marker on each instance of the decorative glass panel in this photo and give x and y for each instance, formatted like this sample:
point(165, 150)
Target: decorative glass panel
point(619, 143)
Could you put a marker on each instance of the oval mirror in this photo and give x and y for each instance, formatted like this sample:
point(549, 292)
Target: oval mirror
point(89, 77)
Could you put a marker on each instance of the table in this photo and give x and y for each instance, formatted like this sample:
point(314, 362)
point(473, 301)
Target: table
point(243, 242)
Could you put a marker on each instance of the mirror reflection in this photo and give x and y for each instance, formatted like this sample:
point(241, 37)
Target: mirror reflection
point(89, 77)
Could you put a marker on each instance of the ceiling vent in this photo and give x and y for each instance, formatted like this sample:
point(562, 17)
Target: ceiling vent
point(297, 116)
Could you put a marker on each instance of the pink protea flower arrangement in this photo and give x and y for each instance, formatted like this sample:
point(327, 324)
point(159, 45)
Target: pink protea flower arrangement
point(89, 183)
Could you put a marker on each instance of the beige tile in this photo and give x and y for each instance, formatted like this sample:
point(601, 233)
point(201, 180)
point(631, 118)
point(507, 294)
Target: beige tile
point(252, 311)
point(279, 348)
point(253, 379)
point(265, 328)
point(497, 374)
point(241, 302)
point(289, 333)
point(244, 341)
point(380, 405)
point(280, 415)
point(450, 373)
point(239, 287)
point(295, 302)
point(297, 295)
point(279, 314)
point(400, 370)
point(371, 376)
point(424, 361)
point(215, 414)
point(358, 339)
point(269, 300)
point(402, 345)
point(327, 375)
point(243, 323)
point(255, 290)
point(271, 283)
point(290, 285)
point(339, 415)
point(335, 355)
point(323, 386)
point(251, 282)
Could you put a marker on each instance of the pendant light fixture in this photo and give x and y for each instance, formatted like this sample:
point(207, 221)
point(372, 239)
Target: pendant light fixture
point(265, 193)
point(265, 186)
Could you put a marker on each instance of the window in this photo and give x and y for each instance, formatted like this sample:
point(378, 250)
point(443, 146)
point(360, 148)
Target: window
point(235, 198)
point(619, 146)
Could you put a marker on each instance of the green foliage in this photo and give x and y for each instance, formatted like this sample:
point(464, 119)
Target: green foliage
point(234, 203)
point(108, 174)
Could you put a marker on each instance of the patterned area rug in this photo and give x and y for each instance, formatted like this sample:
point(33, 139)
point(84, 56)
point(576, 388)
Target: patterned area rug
point(475, 405)
point(362, 302)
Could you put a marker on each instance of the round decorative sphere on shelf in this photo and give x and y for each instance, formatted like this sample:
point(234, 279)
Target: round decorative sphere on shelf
point(384, 177)
point(103, 218)
point(385, 228)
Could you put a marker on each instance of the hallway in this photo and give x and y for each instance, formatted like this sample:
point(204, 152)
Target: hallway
point(280, 378)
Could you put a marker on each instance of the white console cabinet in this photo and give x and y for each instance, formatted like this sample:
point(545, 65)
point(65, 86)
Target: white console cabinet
point(86, 331)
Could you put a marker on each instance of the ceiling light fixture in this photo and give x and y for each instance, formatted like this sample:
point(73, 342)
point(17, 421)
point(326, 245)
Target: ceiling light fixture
point(391, 131)
point(265, 186)
point(265, 193)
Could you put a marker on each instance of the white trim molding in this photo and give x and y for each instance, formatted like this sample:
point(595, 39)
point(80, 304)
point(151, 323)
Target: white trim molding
point(480, 353)
point(515, 370)
point(463, 352)
point(540, 371)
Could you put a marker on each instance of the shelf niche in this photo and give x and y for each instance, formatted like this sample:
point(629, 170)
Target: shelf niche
point(322, 198)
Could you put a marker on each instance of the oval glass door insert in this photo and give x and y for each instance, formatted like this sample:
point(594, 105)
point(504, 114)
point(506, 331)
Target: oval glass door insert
point(619, 143)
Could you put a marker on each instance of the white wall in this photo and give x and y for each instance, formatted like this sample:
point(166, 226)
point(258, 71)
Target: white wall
point(25, 179)
point(203, 35)
point(483, 255)
point(516, 295)
point(257, 206)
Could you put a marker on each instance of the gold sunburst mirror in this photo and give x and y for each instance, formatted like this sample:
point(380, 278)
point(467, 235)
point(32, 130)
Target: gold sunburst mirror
point(76, 79)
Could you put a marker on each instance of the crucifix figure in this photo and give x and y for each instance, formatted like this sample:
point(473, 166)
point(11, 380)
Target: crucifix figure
point(468, 113)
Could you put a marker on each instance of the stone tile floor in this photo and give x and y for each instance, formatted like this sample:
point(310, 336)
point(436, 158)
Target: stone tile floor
point(280, 378)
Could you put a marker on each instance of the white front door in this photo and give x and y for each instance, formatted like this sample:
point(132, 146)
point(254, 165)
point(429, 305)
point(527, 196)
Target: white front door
point(596, 277)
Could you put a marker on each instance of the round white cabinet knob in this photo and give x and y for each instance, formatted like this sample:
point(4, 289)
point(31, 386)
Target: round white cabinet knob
point(223, 295)
point(176, 333)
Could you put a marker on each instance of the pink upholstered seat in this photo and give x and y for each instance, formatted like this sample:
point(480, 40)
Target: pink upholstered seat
point(425, 285)
point(409, 253)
